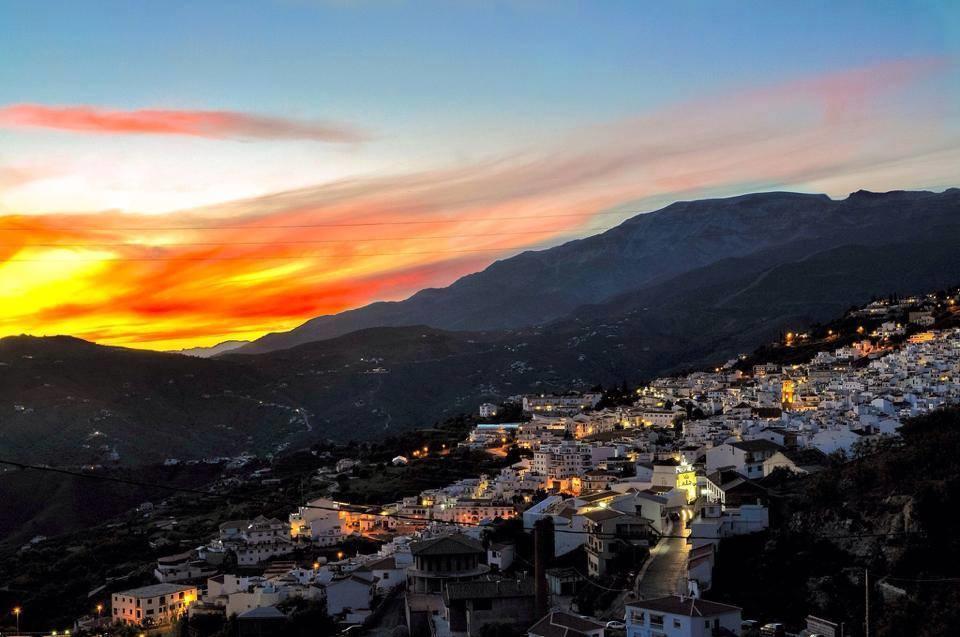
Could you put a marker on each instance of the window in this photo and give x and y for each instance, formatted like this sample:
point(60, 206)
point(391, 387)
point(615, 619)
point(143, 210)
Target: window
point(656, 620)
point(676, 623)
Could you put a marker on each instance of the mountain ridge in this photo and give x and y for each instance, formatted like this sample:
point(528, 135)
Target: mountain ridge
point(56, 393)
point(521, 290)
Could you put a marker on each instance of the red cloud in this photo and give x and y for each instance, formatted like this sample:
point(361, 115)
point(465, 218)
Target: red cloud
point(245, 267)
point(214, 124)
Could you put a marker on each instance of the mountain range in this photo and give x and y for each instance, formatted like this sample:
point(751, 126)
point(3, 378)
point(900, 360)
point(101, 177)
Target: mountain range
point(535, 287)
point(692, 284)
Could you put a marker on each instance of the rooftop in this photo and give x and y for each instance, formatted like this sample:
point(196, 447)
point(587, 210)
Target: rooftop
point(456, 544)
point(263, 612)
point(563, 624)
point(155, 590)
point(487, 589)
point(687, 606)
point(601, 515)
point(756, 445)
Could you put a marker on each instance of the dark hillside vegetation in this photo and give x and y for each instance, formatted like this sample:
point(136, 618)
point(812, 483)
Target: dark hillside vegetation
point(892, 511)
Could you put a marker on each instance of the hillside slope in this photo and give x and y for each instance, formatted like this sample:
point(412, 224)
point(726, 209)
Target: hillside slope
point(393, 378)
point(884, 511)
point(537, 287)
point(68, 401)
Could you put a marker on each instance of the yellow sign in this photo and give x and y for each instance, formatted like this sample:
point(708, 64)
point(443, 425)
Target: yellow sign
point(688, 481)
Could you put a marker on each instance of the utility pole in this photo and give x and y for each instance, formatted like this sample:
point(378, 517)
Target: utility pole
point(543, 551)
point(866, 595)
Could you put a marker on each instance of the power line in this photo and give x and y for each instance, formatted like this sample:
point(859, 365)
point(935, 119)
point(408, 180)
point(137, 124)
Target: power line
point(359, 224)
point(272, 243)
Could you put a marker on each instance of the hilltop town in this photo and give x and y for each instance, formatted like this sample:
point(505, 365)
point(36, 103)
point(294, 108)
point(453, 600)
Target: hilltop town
point(595, 513)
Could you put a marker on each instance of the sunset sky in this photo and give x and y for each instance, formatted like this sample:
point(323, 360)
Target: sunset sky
point(175, 174)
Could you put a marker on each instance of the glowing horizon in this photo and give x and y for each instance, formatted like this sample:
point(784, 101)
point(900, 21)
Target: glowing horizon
point(170, 223)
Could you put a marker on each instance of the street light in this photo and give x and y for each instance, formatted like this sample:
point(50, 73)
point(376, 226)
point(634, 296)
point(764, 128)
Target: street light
point(99, 611)
point(16, 611)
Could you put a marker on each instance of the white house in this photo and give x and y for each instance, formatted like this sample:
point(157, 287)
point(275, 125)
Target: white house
point(830, 440)
point(156, 605)
point(501, 555)
point(386, 572)
point(320, 521)
point(716, 521)
point(745, 456)
point(349, 594)
point(487, 410)
point(676, 616)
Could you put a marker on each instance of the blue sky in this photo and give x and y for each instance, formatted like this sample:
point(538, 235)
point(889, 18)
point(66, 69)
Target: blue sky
point(455, 133)
point(394, 64)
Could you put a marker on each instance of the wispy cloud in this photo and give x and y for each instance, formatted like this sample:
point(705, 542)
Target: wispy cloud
point(245, 267)
point(195, 123)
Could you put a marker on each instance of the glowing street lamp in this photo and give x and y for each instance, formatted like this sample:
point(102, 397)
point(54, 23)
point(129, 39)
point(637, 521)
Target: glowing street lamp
point(16, 612)
point(99, 612)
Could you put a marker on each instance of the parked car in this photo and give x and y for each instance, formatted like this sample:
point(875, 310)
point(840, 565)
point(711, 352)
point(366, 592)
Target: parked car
point(615, 625)
point(773, 629)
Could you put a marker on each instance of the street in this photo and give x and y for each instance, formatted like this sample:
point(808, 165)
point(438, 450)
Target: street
point(666, 569)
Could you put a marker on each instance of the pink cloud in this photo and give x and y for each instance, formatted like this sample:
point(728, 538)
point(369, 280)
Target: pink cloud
point(384, 237)
point(213, 124)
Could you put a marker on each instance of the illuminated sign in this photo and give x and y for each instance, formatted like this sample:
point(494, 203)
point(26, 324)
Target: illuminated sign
point(687, 480)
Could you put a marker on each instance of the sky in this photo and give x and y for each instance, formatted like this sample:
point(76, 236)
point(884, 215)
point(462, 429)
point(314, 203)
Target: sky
point(174, 174)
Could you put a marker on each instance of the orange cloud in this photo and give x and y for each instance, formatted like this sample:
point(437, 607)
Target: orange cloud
point(214, 124)
point(243, 268)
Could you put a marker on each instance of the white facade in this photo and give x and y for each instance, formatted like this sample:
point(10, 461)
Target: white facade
point(680, 617)
point(320, 521)
point(155, 605)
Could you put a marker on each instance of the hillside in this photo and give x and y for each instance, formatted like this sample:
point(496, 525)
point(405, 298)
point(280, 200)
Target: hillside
point(537, 287)
point(886, 511)
point(68, 401)
point(381, 380)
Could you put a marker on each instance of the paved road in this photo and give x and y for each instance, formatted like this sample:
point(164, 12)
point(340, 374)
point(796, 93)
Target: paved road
point(665, 573)
point(392, 617)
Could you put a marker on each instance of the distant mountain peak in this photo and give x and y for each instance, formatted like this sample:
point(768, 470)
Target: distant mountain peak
point(213, 350)
point(535, 287)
